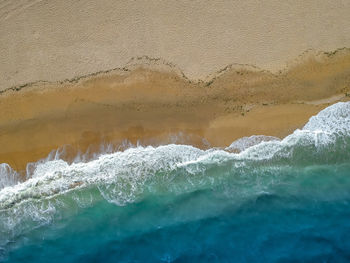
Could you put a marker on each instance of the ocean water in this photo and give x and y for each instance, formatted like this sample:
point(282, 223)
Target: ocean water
point(276, 201)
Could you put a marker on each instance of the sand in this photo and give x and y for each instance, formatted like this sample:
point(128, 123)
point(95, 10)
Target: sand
point(85, 73)
point(55, 40)
point(152, 102)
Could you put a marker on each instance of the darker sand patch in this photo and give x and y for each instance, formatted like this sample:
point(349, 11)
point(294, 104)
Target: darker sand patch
point(157, 104)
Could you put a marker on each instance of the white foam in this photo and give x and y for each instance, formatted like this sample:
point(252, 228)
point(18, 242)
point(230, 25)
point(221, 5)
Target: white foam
point(322, 130)
point(334, 119)
point(131, 168)
point(8, 176)
point(123, 177)
point(246, 142)
point(127, 170)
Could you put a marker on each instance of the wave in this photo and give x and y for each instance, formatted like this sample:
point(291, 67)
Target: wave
point(8, 176)
point(56, 189)
point(246, 142)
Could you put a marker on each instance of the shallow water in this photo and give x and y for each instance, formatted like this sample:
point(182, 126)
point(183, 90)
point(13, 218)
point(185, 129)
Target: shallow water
point(276, 201)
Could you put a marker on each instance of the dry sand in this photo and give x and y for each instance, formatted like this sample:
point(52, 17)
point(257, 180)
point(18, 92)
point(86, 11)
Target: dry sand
point(54, 40)
point(151, 101)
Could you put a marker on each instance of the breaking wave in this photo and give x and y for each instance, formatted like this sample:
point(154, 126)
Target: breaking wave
point(56, 189)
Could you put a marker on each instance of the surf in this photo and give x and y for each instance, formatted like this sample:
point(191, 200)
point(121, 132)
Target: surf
point(302, 168)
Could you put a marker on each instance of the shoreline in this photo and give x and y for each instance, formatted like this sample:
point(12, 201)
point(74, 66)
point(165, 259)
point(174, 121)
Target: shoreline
point(304, 60)
point(152, 102)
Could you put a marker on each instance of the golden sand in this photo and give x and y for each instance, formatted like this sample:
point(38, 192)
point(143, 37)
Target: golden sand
point(153, 102)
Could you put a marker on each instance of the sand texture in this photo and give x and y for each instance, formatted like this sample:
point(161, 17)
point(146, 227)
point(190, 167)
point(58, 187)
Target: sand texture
point(153, 102)
point(55, 40)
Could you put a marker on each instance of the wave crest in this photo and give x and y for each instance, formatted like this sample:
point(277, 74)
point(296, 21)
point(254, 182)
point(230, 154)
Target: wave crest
point(124, 177)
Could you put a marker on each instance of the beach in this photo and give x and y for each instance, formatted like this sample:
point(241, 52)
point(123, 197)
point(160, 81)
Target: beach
point(82, 74)
point(151, 102)
point(174, 131)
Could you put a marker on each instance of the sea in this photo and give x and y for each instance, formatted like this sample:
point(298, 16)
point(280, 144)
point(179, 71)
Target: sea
point(273, 200)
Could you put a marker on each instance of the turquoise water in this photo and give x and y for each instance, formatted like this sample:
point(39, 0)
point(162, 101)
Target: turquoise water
point(276, 201)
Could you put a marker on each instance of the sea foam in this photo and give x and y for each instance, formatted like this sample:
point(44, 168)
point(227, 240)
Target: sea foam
point(128, 176)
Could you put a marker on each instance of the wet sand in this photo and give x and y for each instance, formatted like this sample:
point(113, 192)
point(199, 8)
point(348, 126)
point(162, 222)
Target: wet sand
point(152, 102)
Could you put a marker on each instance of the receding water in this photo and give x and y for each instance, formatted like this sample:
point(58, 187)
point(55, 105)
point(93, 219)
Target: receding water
point(276, 201)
